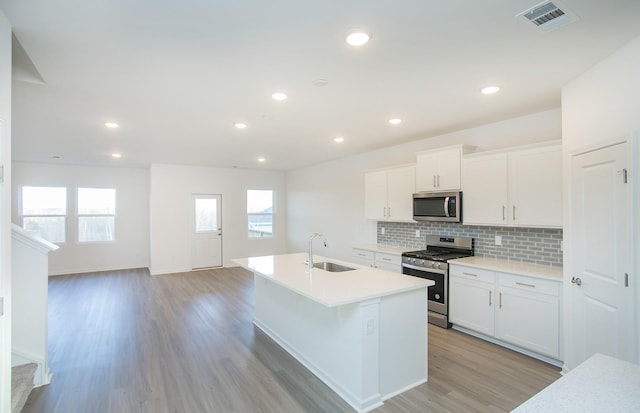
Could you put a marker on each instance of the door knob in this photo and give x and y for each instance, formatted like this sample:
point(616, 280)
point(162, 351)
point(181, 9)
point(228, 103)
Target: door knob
point(576, 281)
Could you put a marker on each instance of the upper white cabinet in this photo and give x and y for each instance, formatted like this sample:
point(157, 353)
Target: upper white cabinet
point(439, 170)
point(389, 194)
point(521, 188)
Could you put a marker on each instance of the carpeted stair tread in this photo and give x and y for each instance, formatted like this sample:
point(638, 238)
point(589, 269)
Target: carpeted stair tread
point(21, 385)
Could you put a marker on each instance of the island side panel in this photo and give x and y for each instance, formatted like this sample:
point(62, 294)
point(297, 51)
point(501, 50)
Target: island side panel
point(338, 344)
point(403, 342)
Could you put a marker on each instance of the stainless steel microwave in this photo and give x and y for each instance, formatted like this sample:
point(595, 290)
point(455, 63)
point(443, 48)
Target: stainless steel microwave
point(437, 206)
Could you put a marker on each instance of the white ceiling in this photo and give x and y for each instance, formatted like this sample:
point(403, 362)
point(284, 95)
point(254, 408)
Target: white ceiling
point(177, 75)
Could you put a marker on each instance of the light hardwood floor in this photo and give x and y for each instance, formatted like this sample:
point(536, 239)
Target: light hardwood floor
point(126, 341)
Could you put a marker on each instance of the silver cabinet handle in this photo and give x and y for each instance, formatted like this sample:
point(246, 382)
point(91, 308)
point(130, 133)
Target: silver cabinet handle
point(503, 212)
point(388, 212)
point(434, 181)
point(386, 259)
point(500, 300)
point(490, 298)
point(526, 285)
point(576, 281)
point(514, 212)
point(438, 181)
point(471, 274)
point(362, 255)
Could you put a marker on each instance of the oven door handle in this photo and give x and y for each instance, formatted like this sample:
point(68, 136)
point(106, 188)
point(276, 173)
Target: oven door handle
point(446, 206)
point(423, 269)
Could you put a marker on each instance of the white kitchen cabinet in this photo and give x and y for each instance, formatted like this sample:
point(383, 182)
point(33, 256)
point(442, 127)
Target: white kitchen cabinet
point(519, 310)
point(389, 194)
point(535, 187)
point(474, 303)
point(484, 190)
point(389, 262)
point(439, 170)
point(364, 257)
point(521, 188)
point(528, 313)
point(377, 259)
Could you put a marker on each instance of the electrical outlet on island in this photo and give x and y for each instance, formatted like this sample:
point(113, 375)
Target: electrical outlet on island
point(498, 240)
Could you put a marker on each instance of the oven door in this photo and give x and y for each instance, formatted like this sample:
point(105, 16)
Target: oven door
point(437, 295)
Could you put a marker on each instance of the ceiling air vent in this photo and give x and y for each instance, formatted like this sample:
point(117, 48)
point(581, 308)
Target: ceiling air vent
point(547, 16)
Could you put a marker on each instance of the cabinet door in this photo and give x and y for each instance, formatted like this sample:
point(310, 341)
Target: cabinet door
point(364, 257)
point(426, 172)
point(375, 195)
point(389, 262)
point(529, 320)
point(448, 174)
point(400, 188)
point(439, 171)
point(484, 197)
point(471, 304)
point(535, 187)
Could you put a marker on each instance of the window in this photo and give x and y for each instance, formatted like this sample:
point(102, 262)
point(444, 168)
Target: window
point(206, 214)
point(260, 213)
point(44, 212)
point(96, 214)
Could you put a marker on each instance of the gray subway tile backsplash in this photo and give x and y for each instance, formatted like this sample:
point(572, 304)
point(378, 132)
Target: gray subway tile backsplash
point(533, 245)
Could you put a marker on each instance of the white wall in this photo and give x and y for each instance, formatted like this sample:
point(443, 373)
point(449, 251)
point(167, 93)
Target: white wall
point(131, 248)
point(329, 197)
point(5, 213)
point(172, 187)
point(600, 105)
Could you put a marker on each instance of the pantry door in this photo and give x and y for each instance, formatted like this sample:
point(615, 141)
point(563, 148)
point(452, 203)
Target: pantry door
point(206, 229)
point(601, 282)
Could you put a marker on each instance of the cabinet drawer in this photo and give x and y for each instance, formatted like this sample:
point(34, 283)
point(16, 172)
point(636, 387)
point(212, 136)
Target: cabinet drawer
point(391, 259)
point(472, 273)
point(530, 284)
point(363, 255)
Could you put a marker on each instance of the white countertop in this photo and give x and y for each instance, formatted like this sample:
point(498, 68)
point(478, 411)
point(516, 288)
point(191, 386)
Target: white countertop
point(600, 384)
point(513, 267)
point(330, 288)
point(387, 249)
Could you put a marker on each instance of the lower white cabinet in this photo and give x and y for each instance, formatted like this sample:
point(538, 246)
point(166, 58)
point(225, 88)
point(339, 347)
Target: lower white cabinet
point(376, 259)
point(520, 310)
point(474, 294)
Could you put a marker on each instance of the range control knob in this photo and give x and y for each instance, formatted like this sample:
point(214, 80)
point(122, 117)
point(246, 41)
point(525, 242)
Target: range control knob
point(433, 265)
point(439, 266)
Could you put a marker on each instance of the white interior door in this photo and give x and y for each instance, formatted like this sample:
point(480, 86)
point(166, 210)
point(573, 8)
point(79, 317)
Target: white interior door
point(602, 316)
point(206, 230)
point(5, 327)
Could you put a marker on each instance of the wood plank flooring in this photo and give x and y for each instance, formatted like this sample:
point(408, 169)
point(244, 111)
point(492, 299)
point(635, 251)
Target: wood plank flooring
point(126, 341)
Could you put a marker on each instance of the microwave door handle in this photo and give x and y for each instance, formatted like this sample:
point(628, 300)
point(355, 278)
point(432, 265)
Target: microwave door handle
point(446, 206)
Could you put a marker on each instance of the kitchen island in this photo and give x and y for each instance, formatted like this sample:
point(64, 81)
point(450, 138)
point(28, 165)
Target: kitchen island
point(363, 332)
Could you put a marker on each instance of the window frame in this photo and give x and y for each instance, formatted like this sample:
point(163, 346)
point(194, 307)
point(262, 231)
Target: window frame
point(272, 214)
point(80, 215)
point(64, 216)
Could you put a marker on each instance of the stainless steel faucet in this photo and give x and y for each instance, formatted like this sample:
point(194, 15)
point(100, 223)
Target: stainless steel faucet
point(316, 235)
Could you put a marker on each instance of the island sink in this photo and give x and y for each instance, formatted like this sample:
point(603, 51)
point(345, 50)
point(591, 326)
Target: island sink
point(332, 266)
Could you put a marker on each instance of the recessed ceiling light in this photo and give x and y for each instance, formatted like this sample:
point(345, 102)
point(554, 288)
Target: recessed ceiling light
point(116, 155)
point(490, 90)
point(261, 159)
point(112, 125)
point(395, 121)
point(279, 96)
point(338, 139)
point(240, 125)
point(357, 38)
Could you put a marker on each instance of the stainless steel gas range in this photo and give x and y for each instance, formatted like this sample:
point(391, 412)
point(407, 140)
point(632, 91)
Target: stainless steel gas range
point(431, 264)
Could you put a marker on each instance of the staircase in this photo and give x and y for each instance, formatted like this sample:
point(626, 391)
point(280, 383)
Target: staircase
point(21, 384)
